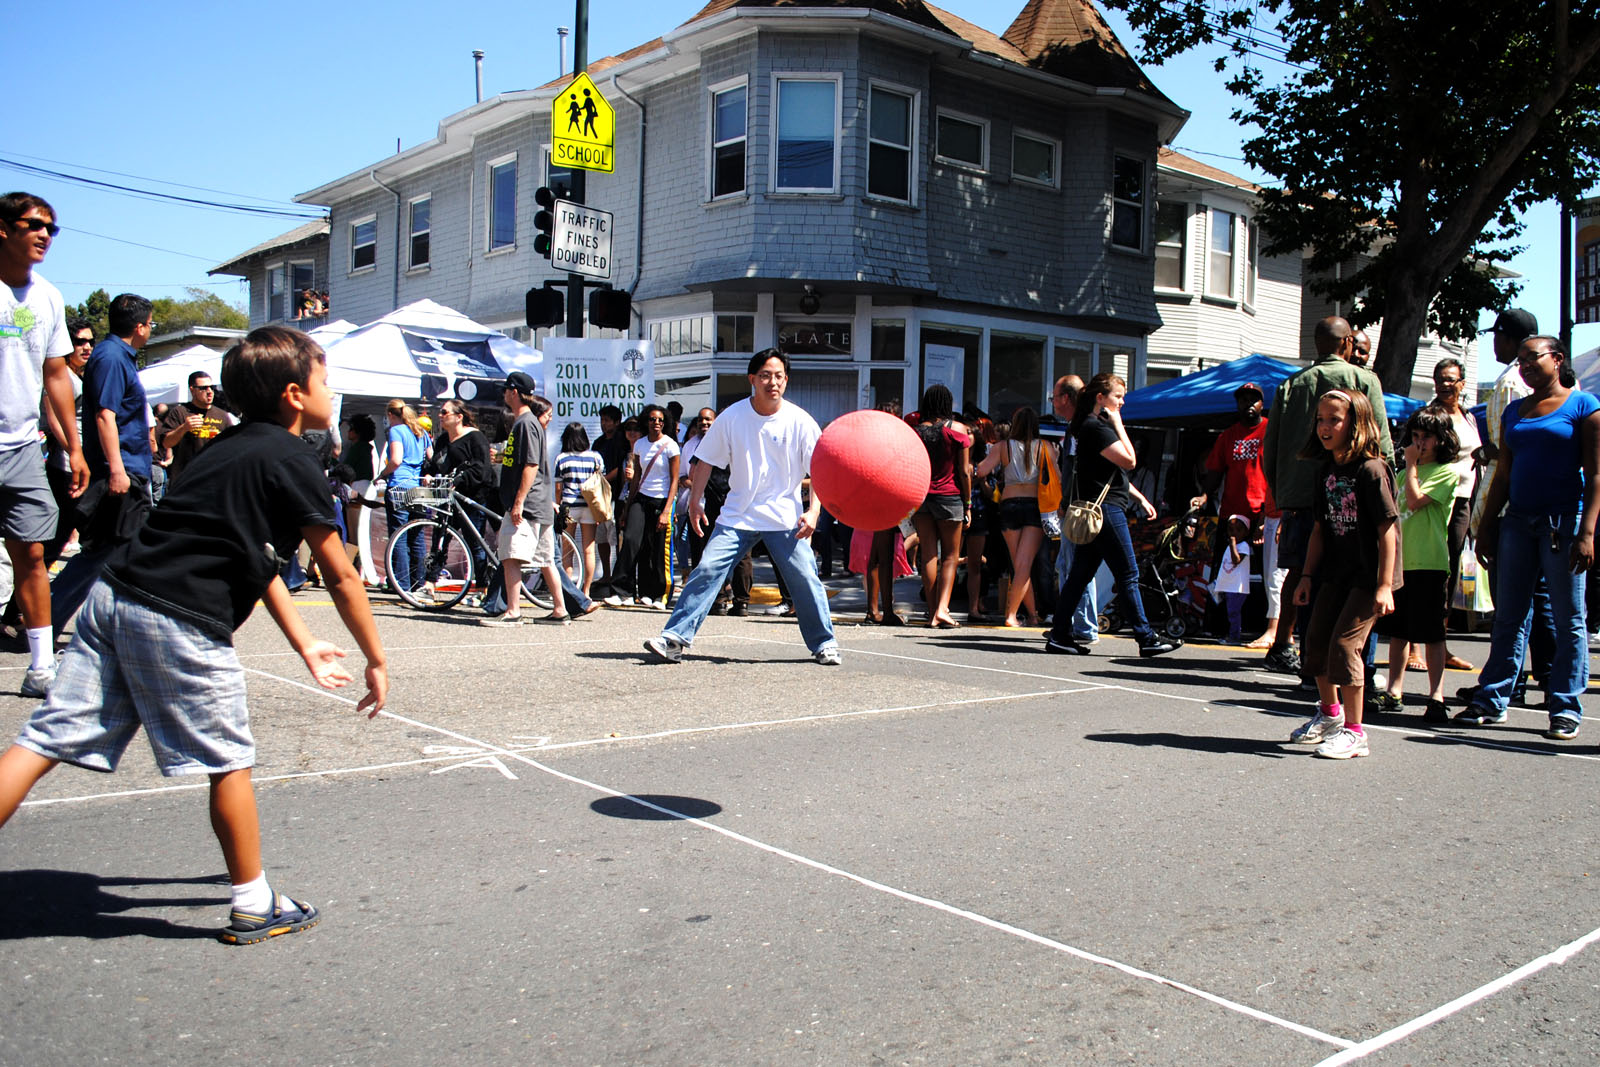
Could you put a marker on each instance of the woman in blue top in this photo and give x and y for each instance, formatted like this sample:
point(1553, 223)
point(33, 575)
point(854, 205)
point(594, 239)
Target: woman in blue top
point(403, 455)
point(1552, 438)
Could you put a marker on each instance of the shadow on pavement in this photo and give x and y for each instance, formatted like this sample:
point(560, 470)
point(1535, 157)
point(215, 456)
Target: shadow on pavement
point(633, 807)
point(43, 903)
point(1214, 744)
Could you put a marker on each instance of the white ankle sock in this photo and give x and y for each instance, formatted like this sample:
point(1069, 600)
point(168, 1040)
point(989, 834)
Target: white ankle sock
point(41, 648)
point(254, 897)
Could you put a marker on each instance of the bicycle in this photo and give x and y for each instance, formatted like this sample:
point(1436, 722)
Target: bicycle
point(454, 541)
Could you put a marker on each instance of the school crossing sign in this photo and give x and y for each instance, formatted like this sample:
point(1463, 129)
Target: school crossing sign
point(583, 127)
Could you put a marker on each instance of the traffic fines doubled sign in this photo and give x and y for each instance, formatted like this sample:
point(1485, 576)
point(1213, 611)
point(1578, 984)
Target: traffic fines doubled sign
point(580, 240)
point(583, 128)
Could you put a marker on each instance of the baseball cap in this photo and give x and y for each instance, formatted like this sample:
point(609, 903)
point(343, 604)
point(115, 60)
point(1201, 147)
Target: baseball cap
point(1251, 387)
point(1517, 323)
point(522, 382)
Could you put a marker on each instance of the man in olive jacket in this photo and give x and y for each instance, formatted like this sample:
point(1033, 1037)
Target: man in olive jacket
point(1294, 480)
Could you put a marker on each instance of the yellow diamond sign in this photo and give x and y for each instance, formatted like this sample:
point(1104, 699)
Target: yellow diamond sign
point(583, 127)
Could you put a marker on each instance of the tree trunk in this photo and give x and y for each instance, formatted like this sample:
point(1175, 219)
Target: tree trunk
point(1405, 316)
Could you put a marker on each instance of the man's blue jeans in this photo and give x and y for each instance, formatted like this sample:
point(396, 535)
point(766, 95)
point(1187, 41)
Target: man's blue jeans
point(1531, 545)
point(791, 556)
point(1086, 612)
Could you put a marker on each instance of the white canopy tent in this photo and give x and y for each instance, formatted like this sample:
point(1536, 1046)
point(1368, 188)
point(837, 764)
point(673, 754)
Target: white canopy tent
point(427, 350)
point(167, 382)
point(1586, 365)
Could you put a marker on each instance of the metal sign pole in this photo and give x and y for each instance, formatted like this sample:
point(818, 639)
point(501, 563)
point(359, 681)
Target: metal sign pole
point(580, 63)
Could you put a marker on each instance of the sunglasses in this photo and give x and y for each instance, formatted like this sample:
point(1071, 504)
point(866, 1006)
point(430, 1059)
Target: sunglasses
point(83, 341)
point(35, 225)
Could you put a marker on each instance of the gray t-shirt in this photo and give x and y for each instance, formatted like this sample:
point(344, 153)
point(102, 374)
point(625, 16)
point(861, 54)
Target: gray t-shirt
point(525, 447)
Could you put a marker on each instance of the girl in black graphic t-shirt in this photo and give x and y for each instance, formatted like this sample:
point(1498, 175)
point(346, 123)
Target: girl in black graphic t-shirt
point(1353, 556)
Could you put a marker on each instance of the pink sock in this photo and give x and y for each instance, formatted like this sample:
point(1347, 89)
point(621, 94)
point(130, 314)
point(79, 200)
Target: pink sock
point(1354, 727)
point(1334, 710)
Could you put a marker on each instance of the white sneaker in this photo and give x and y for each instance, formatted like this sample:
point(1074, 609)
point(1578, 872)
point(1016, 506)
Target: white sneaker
point(646, 602)
point(37, 681)
point(665, 648)
point(1318, 729)
point(1345, 744)
point(616, 601)
point(828, 657)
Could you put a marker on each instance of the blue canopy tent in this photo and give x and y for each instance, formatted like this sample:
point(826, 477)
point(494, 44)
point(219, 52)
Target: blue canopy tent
point(1205, 399)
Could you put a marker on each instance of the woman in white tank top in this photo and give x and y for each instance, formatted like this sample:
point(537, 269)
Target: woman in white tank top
point(1023, 456)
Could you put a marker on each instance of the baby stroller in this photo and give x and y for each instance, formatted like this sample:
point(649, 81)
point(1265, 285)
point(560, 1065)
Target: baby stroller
point(1171, 579)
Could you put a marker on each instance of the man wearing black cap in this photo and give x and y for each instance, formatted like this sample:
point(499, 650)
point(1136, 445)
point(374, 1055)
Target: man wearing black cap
point(527, 530)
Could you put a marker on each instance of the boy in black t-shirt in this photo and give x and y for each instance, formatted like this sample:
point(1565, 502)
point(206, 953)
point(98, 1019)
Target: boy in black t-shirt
point(154, 644)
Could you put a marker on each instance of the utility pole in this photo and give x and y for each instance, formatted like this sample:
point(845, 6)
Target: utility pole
point(580, 63)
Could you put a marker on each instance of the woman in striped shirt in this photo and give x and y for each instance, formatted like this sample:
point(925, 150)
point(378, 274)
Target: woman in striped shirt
point(573, 467)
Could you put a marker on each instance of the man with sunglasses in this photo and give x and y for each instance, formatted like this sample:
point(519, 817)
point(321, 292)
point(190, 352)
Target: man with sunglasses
point(189, 427)
point(34, 346)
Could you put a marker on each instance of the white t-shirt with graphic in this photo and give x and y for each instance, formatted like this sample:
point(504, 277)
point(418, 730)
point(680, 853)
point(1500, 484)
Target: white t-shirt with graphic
point(767, 457)
point(1234, 577)
point(33, 327)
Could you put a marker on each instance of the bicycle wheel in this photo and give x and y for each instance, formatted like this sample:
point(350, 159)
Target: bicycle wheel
point(447, 565)
point(570, 560)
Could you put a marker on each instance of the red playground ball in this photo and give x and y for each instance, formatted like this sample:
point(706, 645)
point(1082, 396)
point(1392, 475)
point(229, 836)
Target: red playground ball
point(870, 470)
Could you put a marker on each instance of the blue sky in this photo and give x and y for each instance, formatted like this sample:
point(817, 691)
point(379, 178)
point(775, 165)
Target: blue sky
point(251, 103)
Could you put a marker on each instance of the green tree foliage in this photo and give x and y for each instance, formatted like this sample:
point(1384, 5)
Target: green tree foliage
point(96, 308)
point(1409, 131)
point(199, 307)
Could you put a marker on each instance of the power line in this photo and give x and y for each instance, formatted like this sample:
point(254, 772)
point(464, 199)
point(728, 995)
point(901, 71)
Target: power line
point(149, 194)
point(132, 286)
point(136, 244)
point(142, 178)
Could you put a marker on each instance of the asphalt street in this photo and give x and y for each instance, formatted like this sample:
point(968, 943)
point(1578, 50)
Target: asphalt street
point(952, 849)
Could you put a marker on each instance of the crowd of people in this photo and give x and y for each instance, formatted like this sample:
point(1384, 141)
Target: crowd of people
point(175, 523)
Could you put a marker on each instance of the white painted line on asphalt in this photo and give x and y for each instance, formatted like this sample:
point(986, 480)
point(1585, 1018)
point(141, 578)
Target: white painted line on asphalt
point(793, 857)
point(1444, 1011)
point(46, 801)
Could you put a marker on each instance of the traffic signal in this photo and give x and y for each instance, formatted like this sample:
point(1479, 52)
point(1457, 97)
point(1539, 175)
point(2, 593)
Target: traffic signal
point(544, 221)
point(545, 307)
point(612, 308)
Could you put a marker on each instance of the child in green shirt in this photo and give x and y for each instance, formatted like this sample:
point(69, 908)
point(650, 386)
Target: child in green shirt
point(1420, 610)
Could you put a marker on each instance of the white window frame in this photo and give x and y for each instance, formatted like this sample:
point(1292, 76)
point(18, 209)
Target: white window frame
point(275, 314)
point(1156, 243)
point(913, 118)
point(712, 144)
point(490, 248)
point(1230, 293)
point(362, 221)
point(1252, 261)
point(1142, 206)
point(1055, 159)
point(412, 232)
point(982, 166)
point(838, 129)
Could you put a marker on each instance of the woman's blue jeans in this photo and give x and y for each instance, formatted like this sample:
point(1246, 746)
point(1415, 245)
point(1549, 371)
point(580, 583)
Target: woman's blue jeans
point(1530, 546)
point(412, 559)
point(1114, 548)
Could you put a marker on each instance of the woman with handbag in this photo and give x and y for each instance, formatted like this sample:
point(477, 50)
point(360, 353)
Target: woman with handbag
point(576, 464)
point(1022, 457)
point(652, 479)
point(1097, 519)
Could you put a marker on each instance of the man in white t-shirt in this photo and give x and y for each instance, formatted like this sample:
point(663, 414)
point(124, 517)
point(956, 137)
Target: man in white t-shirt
point(766, 444)
point(34, 346)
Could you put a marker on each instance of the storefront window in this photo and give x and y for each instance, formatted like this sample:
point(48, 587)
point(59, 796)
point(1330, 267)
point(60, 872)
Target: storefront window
point(1016, 374)
point(950, 357)
point(889, 340)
